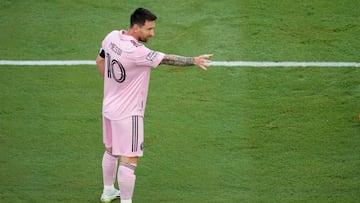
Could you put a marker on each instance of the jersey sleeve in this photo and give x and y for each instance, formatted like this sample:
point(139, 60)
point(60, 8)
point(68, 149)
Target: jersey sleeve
point(105, 43)
point(149, 58)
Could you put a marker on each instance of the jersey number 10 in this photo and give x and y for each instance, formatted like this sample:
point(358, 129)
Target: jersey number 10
point(114, 66)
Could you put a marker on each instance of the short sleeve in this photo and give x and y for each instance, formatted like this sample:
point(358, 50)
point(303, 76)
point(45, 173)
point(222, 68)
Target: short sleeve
point(150, 58)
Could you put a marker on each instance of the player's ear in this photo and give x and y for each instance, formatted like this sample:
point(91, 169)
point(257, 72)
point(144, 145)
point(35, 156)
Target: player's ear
point(136, 28)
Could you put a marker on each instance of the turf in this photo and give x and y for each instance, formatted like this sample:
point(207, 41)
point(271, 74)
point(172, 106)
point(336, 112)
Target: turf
point(225, 135)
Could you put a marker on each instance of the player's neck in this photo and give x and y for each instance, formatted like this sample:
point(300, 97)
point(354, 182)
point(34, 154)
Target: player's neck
point(132, 33)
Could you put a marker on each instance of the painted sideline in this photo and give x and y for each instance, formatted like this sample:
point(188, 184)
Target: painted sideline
point(213, 63)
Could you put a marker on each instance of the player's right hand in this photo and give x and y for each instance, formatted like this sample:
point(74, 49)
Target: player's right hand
point(203, 61)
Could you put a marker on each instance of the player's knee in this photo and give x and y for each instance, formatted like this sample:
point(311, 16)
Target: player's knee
point(130, 160)
point(109, 150)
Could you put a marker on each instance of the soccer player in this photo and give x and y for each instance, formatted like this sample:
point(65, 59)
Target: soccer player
point(125, 65)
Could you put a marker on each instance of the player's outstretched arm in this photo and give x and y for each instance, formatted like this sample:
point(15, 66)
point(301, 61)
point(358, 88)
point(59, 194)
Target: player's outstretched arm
point(203, 61)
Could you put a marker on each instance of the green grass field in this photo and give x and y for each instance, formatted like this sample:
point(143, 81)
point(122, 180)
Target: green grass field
point(230, 134)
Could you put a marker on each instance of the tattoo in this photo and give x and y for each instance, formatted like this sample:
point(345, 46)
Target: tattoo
point(175, 60)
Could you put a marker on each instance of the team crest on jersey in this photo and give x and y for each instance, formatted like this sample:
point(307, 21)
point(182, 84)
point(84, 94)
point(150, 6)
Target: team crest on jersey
point(151, 56)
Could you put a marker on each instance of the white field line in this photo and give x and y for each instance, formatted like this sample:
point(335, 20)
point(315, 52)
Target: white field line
point(47, 62)
point(284, 64)
point(214, 63)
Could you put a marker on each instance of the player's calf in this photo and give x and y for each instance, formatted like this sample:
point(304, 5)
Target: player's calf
point(126, 180)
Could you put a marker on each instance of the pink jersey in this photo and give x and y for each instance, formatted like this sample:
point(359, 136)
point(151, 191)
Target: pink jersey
point(127, 73)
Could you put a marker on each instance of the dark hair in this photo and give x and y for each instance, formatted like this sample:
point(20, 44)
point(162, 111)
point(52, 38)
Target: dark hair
point(141, 15)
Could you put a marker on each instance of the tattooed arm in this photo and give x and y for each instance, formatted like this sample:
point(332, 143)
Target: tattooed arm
point(175, 60)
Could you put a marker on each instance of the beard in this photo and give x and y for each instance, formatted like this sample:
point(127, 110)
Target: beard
point(144, 39)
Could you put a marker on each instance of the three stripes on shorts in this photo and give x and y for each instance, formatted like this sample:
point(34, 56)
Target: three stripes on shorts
point(135, 133)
